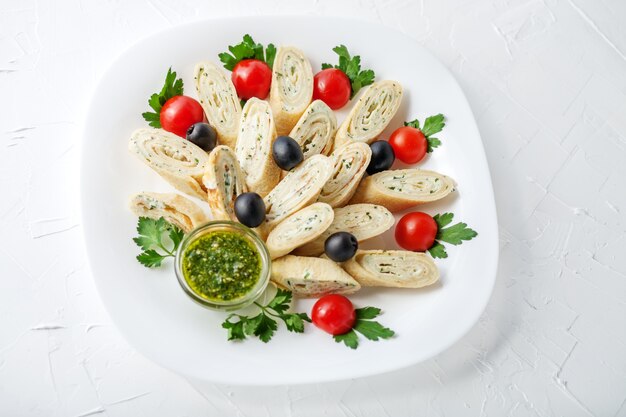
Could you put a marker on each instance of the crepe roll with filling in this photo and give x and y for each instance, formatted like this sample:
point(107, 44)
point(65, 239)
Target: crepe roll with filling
point(403, 188)
point(254, 146)
point(300, 228)
point(371, 114)
point(224, 181)
point(312, 277)
point(176, 160)
point(219, 100)
point(292, 87)
point(315, 131)
point(299, 188)
point(174, 208)
point(392, 268)
point(350, 163)
point(364, 221)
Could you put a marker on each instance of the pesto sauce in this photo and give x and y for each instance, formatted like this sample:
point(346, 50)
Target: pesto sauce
point(221, 266)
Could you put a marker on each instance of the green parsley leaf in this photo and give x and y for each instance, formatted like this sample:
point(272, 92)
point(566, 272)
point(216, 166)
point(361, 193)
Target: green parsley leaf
point(443, 220)
point(149, 232)
point(257, 48)
point(373, 330)
point(454, 235)
point(270, 54)
point(265, 328)
point(281, 301)
point(250, 324)
point(151, 229)
point(151, 117)
point(344, 56)
point(151, 238)
point(172, 87)
point(349, 339)
point(364, 325)
point(241, 51)
point(144, 242)
point(364, 78)
point(432, 143)
point(437, 250)
point(151, 258)
point(228, 60)
point(176, 236)
point(367, 313)
point(351, 66)
point(247, 49)
point(263, 324)
point(413, 123)
point(235, 330)
point(295, 322)
point(432, 125)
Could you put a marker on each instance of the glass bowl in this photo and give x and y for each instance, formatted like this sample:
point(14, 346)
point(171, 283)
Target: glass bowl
point(229, 226)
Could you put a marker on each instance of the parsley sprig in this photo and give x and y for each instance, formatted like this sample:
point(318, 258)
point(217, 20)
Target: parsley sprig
point(432, 125)
point(263, 325)
point(248, 49)
point(172, 87)
point(364, 324)
point(351, 66)
point(150, 240)
point(454, 235)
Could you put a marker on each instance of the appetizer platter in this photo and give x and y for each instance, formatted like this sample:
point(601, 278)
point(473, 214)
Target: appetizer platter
point(294, 201)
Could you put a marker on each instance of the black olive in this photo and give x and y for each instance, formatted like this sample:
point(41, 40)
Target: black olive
point(286, 152)
point(382, 157)
point(203, 135)
point(250, 209)
point(341, 246)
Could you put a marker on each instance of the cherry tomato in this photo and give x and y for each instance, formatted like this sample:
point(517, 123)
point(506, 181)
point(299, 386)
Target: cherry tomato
point(416, 231)
point(333, 87)
point(179, 113)
point(409, 144)
point(252, 78)
point(334, 314)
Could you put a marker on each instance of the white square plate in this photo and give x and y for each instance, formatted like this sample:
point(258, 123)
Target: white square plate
point(149, 307)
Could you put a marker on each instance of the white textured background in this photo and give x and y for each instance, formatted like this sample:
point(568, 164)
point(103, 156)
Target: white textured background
point(547, 82)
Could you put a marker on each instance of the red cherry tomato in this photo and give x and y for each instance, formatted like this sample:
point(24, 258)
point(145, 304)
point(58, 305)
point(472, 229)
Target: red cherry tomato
point(180, 112)
point(416, 231)
point(333, 87)
point(409, 144)
point(334, 314)
point(252, 78)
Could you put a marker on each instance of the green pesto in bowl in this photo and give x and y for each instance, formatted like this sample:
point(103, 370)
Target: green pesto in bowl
point(221, 265)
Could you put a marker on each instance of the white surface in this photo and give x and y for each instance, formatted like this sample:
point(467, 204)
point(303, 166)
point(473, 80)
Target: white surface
point(187, 338)
point(547, 83)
